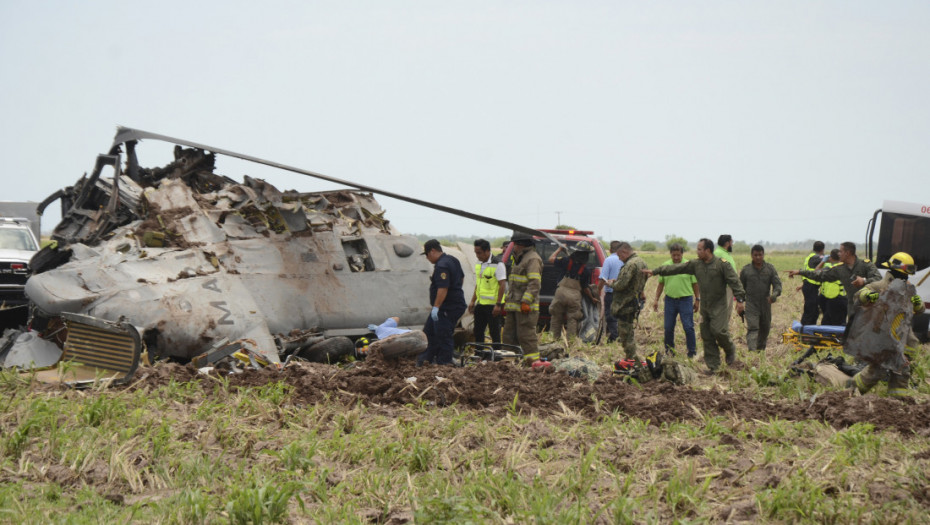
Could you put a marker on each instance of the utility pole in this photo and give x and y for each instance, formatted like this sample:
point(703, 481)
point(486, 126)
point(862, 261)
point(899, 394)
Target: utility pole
point(558, 218)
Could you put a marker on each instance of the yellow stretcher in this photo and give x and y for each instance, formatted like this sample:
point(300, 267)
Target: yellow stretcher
point(820, 337)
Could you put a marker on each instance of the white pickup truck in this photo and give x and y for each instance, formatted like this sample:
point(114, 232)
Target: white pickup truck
point(17, 246)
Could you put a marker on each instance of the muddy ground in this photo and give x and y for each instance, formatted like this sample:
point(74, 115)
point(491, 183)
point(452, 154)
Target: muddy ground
point(492, 388)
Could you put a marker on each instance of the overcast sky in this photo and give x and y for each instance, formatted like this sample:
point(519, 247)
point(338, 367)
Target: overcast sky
point(772, 121)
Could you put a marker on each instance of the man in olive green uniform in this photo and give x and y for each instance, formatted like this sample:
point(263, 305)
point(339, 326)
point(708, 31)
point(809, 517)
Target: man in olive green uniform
point(854, 273)
point(762, 285)
point(714, 276)
point(522, 304)
point(628, 290)
point(724, 251)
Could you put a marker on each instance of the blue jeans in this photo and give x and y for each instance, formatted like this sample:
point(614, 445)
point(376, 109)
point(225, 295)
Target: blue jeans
point(681, 307)
point(609, 319)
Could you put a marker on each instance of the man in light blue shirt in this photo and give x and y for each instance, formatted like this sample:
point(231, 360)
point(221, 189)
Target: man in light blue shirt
point(609, 272)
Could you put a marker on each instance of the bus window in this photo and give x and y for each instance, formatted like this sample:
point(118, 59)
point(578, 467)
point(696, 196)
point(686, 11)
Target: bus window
point(904, 233)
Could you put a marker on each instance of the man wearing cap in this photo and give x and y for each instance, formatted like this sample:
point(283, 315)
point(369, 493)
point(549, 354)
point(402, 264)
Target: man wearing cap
point(575, 275)
point(522, 304)
point(448, 304)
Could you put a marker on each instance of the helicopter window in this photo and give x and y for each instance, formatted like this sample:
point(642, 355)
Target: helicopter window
point(358, 256)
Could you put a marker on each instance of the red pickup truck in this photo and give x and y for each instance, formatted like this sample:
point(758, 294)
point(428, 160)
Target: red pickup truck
point(550, 275)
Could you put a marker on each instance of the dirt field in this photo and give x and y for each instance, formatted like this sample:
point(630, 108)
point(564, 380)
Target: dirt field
point(386, 442)
point(491, 388)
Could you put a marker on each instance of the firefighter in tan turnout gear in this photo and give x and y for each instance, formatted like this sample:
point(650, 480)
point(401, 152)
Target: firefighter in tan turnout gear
point(888, 304)
point(576, 275)
point(523, 286)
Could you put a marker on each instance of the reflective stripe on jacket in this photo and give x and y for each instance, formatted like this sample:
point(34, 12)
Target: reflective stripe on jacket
point(832, 289)
point(525, 281)
point(487, 285)
point(807, 266)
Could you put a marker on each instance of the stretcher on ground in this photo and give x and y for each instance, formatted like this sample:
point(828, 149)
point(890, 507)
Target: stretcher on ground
point(473, 353)
point(820, 337)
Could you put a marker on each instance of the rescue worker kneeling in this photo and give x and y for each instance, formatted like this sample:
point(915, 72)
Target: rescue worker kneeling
point(900, 266)
point(575, 275)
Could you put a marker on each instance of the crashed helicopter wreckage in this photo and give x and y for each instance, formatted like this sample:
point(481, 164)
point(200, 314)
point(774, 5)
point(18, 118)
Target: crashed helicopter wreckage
point(196, 263)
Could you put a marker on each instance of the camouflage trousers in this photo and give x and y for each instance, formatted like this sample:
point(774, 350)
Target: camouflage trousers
point(715, 334)
point(870, 376)
point(520, 329)
point(625, 338)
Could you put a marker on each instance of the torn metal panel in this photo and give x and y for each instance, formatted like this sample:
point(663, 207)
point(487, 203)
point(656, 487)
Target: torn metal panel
point(96, 350)
point(97, 205)
point(878, 332)
point(27, 350)
point(131, 136)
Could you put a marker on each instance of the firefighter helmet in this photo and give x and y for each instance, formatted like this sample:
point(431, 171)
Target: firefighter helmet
point(584, 246)
point(901, 262)
point(523, 239)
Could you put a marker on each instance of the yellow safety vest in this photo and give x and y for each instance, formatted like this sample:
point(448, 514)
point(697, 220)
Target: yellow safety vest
point(807, 267)
point(832, 289)
point(487, 285)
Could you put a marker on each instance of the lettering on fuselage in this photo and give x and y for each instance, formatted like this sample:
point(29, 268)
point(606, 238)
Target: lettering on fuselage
point(219, 305)
point(211, 285)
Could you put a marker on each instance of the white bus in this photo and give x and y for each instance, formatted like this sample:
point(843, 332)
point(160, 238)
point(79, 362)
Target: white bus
point(904, 227)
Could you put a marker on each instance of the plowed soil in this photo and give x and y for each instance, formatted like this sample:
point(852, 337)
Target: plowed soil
point(493, 388)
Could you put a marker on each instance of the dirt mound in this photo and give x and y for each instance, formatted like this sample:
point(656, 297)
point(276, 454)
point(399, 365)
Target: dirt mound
point(500, 388)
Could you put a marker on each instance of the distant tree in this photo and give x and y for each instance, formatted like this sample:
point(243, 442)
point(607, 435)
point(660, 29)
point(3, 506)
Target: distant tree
point(564, 227)
point(741, 247)
point(672, 239)
point(648, 246)
point(498, 243)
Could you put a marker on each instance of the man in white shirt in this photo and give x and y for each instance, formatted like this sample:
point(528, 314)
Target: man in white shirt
point(609, 272)
point(487, 301)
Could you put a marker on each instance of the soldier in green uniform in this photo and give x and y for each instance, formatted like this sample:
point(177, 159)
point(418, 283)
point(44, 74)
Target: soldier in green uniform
point(628, 290)
point(714, 276)
point(854, 273)
point(762, 285)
